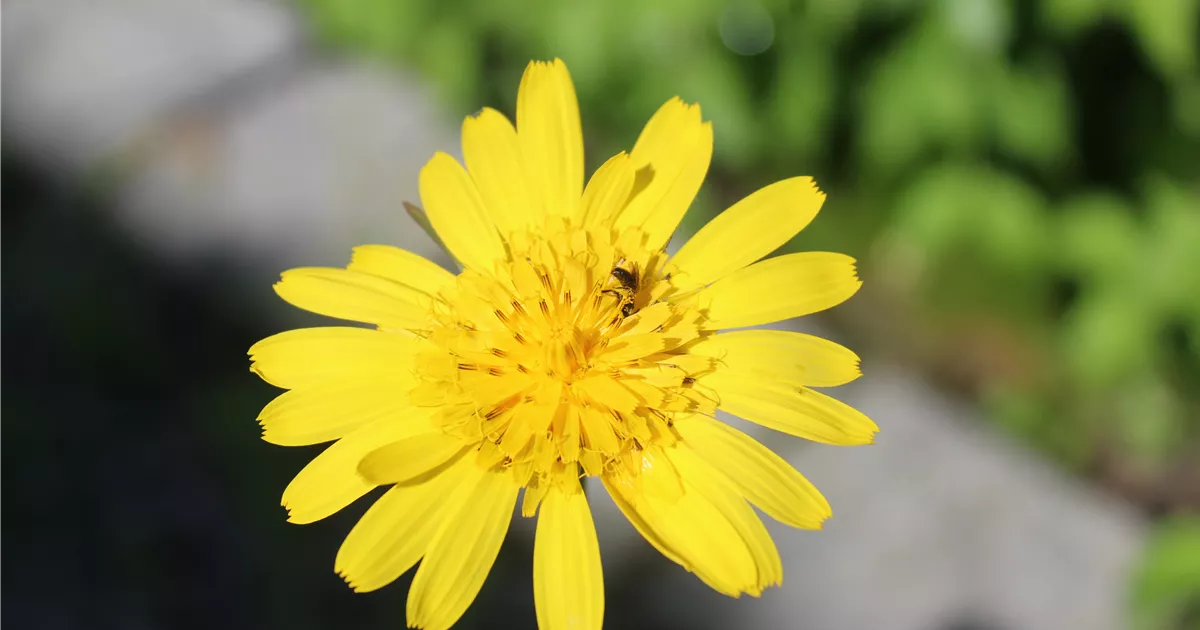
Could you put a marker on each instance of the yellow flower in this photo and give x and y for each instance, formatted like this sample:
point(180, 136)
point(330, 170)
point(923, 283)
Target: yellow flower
point(570, 345)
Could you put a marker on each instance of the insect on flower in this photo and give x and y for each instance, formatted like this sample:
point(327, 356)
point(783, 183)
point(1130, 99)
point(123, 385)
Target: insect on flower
point(569, 346)
point(626, 289)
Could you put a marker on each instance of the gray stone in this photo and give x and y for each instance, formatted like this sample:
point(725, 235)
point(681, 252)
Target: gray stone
point(940, 521)
point(296, 177)
point(84, 79)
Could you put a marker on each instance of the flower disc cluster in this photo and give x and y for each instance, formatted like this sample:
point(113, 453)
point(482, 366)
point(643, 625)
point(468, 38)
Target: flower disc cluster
point(570, 345)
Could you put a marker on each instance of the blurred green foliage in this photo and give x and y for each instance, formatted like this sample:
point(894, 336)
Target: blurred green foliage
point(1031, 166)
point(1019, 178)
point(1167, 592)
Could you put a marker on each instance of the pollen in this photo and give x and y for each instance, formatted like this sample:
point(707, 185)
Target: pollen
point(562, 359)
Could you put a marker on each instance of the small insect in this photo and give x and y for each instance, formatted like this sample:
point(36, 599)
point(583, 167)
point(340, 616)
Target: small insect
point(627, 284)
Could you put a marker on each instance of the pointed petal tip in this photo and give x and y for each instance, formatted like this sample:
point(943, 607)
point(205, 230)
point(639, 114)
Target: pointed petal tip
point(292, 517)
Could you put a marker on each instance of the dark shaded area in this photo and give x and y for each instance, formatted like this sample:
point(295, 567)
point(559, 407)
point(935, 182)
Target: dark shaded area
point(1121, 106)
point(137, 493)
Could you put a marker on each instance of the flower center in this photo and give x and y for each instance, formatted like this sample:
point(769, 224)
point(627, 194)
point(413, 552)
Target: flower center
point(564, 354)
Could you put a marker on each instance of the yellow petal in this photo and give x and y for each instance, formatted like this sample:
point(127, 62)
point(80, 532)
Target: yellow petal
point(630, 347)
point(493, 157)
point(691, 531)
point(750, 229)
point(310, 356)
point(756, 472)
point(457, 213)
point(788, 357)
point(328, 411)
point(671, 156)
point(604, 390)
point(331, 481)
point(568, 583)
point(607, 191)
point(354, 296)
point(401, 266)
point(659, 476)
point(528, 421)
point(641, 525)
point(649, 395)
point(394, 533)
point(597, 428)
point(779, 288)
point(799, 412)
point(704, 478)
point(462, 551)
point(550, 136)
point(649, 319)
point(412, 459)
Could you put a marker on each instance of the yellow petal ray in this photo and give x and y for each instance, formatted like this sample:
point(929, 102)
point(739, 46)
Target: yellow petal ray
point(528, 421)
point(649, 395)
point(660, 477)
point(462, 551)
point(779, 288)
point(532, 497)
point(607, 191)
point(788, 357)
point(457, 213)
point(551, 139)
point(757, 473)
point(630, 347)
point(602, 389)
point(571, 436)
point(597, 428)
point(799, 412)
point(568, 583)
point(401, 266)
point(704, 478)
point(672, 155)
point(691, 531)
point(411, 459)
point(331, 481)
point(328, 411)
point(394, 533)
point(354, 296)
point(650, 318)
point(311, 356)
point(493, 158)
point(490, 391)
point(642, 526)
point(750, 229)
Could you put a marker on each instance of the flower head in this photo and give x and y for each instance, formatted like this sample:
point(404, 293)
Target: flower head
point(570, 345)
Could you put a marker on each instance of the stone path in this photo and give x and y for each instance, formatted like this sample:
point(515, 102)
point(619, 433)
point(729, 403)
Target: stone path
point(221, 134)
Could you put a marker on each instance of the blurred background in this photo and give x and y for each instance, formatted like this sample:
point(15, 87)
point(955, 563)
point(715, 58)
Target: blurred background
point(1019, 181)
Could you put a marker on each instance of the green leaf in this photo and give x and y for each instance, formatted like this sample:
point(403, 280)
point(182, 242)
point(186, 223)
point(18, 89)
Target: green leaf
point(1165, 592)
point(923, 96)
point(1150, 416)
point(801, 101)
point(1172, 257)
point(991, 215)
point(1097, 238)
point(1072, 16)
point(1167, 31)
point(1109, 337)
point(1032, 115)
